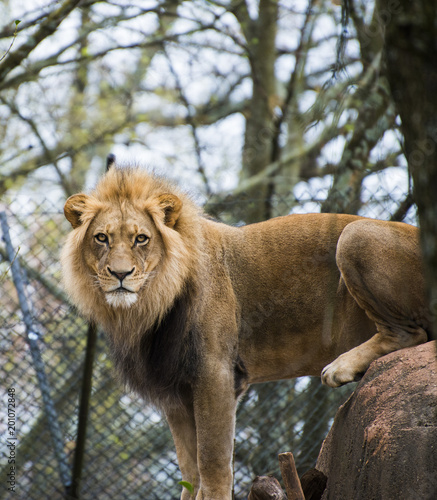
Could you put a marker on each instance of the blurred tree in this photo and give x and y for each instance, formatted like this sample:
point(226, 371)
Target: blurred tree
point(411, 58)
point(244, 100)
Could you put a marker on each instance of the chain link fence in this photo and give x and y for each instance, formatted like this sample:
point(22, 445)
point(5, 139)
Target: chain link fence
point(128, 450)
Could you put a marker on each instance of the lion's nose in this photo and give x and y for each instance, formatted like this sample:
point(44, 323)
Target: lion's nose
point(121, 274)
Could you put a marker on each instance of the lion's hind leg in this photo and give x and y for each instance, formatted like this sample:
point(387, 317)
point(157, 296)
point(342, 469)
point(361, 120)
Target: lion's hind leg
point(381, 266)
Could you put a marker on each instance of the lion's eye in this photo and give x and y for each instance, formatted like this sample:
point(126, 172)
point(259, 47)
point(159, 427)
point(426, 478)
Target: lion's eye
point(101, 238)
point(141, 238)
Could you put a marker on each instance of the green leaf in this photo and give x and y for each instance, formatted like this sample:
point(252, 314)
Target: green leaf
point(17, 22)
point(188, 486)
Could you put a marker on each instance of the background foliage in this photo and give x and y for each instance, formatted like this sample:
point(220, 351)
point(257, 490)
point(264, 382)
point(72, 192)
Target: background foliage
point(232, 99)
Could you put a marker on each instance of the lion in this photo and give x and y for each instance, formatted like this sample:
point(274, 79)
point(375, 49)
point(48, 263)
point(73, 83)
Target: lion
point(195, 310)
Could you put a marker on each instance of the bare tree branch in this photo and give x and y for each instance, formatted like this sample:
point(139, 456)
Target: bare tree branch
point(46, 28)
point(193, 126)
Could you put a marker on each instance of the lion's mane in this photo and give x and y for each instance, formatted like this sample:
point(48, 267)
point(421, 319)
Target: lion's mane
point(153, 343)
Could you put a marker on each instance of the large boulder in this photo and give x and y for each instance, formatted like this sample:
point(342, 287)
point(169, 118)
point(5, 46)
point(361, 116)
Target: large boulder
point(383, 443)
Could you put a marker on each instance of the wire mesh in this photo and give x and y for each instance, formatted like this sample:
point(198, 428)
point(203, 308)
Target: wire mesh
point(129, 450)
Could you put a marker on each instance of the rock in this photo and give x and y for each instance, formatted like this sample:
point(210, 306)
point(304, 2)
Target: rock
point(383, 443)
point(313, 484)
point(266, 488)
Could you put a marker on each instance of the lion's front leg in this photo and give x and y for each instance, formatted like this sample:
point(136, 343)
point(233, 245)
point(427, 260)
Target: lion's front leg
point(351, 365)
point(214, 410)
point(183, 429)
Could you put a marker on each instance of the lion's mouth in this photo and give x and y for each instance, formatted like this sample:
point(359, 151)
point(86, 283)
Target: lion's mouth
point(121, 289)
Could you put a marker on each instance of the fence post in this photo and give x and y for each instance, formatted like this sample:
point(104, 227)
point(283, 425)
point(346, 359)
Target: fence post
point(31, 338)
point(74, 490)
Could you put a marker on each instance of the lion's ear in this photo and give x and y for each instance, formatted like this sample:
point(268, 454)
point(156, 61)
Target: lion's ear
point(110, 161)
point(74, 208)
point(172, 207)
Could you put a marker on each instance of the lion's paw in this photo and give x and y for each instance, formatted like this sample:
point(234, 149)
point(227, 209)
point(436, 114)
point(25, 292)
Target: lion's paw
point(340, 372)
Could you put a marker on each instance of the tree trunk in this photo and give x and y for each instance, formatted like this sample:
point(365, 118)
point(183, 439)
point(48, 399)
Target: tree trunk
point(411, 58)
point(257, 149)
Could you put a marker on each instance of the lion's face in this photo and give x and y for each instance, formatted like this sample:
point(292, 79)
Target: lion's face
point(122, 249)
point(123, 244)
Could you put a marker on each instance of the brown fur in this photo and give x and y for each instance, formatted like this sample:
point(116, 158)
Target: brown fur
point(207, 309)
